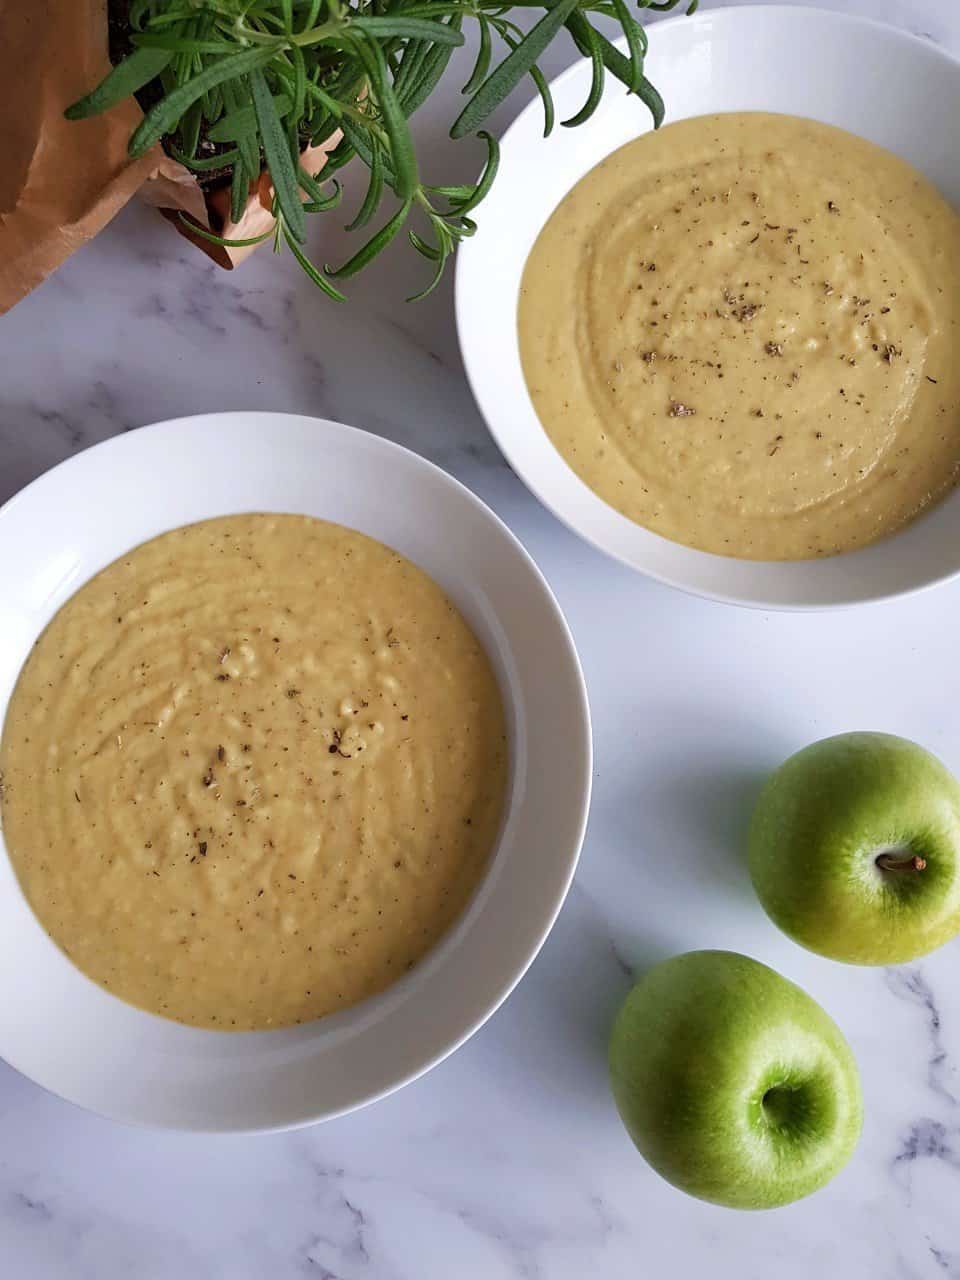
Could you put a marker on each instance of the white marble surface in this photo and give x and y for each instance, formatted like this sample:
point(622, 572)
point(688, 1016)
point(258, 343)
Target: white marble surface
point(507, 1162)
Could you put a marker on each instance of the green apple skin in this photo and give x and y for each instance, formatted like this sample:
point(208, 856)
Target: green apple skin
point(821, 822)
point(733, 1083)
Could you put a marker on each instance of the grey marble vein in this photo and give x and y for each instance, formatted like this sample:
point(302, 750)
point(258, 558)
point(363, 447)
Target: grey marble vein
point(909, 983)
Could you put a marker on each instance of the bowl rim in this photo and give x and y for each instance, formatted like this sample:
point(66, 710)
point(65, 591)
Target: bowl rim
point(582, 749)
point(475, 368)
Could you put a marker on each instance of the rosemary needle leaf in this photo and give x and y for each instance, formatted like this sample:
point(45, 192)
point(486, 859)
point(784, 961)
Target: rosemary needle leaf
point(429, 251)
point(486, 178)
point(163, 117)
point(312, 14)
point(596, 82)
point(371, 201)
point(636, 44)
point(482, 64)
point(411, 60)
point(374, 245)
point(318, 278)
point(394, 121)
point(322, 129)
point(330, 202)
point(300, 83)
point(319, 200)
point(213, 105)
point(461, 192)
point(138, 11)
point(619, 66)
point(341, 154)
point(546, 97)
point(248, 134)
point(142, 66)
point(435, 9)
point(415, 28)
point(649, 96)
point(204, 234)
point(512, 70)
point(360, 143)
point(221, 161)
point(239, 189)
point(180, 44)
point(276, 150)
point(538, 78)
point(434, 65)
point(435, 280)
point(190, 128)
point(242, 122)
point(442, 254)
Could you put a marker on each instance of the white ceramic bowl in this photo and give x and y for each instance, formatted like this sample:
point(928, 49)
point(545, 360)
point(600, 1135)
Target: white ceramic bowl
point(71, 1036)
point(894, 89)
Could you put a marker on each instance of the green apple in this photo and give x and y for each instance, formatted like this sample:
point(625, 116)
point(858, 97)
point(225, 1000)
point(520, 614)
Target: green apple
point(855, 849)
point(732, 1082)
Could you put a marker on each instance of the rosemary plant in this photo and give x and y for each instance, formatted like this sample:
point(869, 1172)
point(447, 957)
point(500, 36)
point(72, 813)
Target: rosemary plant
point(237, 85)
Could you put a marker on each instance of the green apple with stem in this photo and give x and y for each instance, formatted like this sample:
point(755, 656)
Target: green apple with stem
point(734, 1084)
point(854, 849)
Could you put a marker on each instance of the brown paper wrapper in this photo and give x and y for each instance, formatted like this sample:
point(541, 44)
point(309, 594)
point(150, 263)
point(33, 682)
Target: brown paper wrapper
point(62, 181)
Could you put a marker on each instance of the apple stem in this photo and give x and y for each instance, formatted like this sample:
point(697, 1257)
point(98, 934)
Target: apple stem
point(887, 862)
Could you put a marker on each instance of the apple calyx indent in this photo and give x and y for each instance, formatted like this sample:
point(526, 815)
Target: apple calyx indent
point(911, 862)
point(777, 1105)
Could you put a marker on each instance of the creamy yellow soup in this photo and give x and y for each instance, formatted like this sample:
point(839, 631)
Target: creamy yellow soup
point(253, 771)
point(742, 333)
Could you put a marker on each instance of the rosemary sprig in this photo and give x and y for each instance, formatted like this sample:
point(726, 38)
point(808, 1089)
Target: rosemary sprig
point(241, 85)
